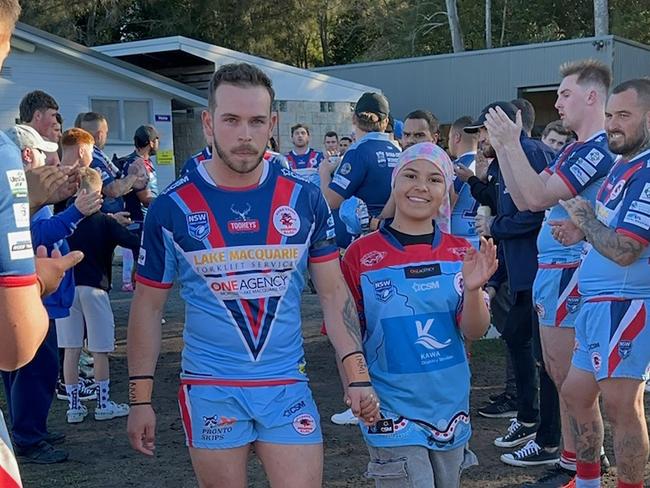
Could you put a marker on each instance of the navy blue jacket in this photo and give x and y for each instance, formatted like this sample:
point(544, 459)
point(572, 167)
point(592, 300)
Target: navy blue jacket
point(517, 231)
point(50, 231)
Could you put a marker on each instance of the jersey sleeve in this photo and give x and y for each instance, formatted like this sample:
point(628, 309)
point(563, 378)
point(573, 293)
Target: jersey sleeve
point(157, 263)
point(107, 176)
point(16, 254)
point(349, 175)
point(634, 216)
point(583, 166)
point(322, 246)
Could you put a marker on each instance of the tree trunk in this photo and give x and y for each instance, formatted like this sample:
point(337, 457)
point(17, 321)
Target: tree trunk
point(503, 22)
point(601, 18)
point(454, 26)
point(488, 24)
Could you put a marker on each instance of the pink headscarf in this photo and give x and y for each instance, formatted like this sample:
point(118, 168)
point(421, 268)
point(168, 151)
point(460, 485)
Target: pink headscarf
point(434, 154)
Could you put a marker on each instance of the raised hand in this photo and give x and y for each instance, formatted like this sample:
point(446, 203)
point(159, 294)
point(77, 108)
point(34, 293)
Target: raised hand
point(463, 172)
point(479, 266)
point(88, 202)
point(501, 129)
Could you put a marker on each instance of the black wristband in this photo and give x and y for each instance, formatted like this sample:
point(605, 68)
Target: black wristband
point(351, 354)
point(359, 384)
point(139, 403)
point(141, 377)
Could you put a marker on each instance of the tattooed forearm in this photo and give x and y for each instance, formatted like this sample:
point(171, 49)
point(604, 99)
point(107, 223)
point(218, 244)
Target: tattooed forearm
point(351, 320)
point(589, 438)
point(621, 249)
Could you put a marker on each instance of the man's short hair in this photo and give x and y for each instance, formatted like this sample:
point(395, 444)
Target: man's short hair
point(331, 133)
point(432, 120)
point(91, 180)
point(527, 113)
point(369, 121)
point(241, 75)
point(294, 128)
point(76, 136)
point(346, 138)
point(89, 119)
point(9, 13)
point(642, 88)
point(35, 101)
point(460, 123)
point(589, 72)
point(556, 126)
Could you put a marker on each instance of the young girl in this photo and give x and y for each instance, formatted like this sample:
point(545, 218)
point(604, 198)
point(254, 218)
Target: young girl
point(419, 292)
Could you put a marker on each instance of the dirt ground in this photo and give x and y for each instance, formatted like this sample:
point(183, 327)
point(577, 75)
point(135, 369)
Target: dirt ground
point(100, 455)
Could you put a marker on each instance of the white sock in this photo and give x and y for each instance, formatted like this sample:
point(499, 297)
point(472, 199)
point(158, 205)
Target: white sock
point(73, 396)
point(103, 393)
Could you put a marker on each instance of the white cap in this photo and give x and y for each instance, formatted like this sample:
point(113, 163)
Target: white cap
point(25, 136)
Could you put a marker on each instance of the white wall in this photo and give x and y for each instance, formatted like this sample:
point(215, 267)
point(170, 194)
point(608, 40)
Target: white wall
point(72, 83)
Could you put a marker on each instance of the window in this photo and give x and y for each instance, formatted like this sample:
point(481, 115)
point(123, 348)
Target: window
point(124, 116)
point(327, 106)
point(279, 106)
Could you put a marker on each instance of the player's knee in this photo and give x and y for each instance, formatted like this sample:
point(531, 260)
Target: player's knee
point(621, 408)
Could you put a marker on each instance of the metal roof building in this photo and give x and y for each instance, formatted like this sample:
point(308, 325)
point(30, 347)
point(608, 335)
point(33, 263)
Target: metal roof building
point(451, 85)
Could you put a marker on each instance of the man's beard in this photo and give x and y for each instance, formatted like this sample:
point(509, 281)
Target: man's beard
point(242, 168)
point(631, 146)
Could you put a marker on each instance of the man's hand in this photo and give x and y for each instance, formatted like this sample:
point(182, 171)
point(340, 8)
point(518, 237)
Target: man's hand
point(122, 218)
point(139, 170)
point(501, 129)
point(49, 184)
point(481, 164)
point(88, 202)
point(580, 211)
point(482, 224)
point(566, 232)
point(50, 270)
point(463, 172)
point(141, 428)
point(364, 403)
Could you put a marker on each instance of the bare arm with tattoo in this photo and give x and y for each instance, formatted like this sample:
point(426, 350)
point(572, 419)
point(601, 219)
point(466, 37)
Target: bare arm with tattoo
point(621, 249)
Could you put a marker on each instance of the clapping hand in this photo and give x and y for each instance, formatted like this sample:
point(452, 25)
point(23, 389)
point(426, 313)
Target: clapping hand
point(501, 129)
point(566, 232)
point(479, 266)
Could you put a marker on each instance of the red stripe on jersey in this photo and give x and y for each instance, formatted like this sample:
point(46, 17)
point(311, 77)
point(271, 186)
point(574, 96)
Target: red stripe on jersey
point(6, 481)
point(186, 416)
point(281, 196)
point(17, 281)
point(632, 330)
point(152, 283)
point(248, 383)
point(255, 322)
point(328, 257)
point(568, 183)
point(632, 235)
point(192, 197)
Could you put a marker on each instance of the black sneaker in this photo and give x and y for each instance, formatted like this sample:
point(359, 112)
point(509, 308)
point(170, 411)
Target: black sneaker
point(504, 408)
point(87, 390)
point(555, 478)
point(517, 435)
point(498, 397)
point(41, 453)
point(531, 455)
point(55, 438)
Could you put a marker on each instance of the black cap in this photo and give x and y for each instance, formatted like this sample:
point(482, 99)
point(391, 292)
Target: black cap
point(144, 135)
point(390, 128)
point(509, 109)
point(374, 103)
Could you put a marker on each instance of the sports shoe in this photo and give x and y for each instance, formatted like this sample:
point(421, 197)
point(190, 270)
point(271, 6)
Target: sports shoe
point(127, 286)
point(87, 390)
point(345, 418)
point(76, 415)
point(111, 411)
point(41, 453)
point(54, 437)
point(505, 407)
point(556, 478)
point(497, 397)
point(517, 434)
point(531, 455)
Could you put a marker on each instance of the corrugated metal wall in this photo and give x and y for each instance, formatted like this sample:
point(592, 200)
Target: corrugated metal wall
point(451, 85)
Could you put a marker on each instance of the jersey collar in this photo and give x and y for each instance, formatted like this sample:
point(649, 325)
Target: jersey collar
point(390, 238)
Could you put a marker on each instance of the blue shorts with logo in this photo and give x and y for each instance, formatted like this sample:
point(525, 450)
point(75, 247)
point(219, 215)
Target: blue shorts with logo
point(225, 417)
point(613, 338)
point(555, 294)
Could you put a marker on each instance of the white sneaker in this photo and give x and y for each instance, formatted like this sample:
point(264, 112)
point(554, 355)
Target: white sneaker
point(112, 410)
point(76, 415)
point(345, 418)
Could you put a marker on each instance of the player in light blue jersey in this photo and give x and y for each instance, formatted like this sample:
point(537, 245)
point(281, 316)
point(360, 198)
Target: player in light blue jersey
point(239, 233)
point(462, 148)
point(418, 292)
point(612, 352)
point(578, 170)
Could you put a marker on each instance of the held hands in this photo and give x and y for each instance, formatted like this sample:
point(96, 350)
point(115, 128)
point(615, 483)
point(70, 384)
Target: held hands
point(88, 202)
point(50, 270)
point(360, 395)
point(501, 129)
point(566, 232)
point(479, 266)
point(463, 172)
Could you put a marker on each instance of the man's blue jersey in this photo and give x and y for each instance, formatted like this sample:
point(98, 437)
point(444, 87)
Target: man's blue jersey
point(583, 167)
point(410, 302)
point(306, 165)
point(240, 257)
point(623, 204)
point(109, 173)
point(366, 170)
point(206, 154)
point(16, 254)
point(132, 203)
point(464, 211)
